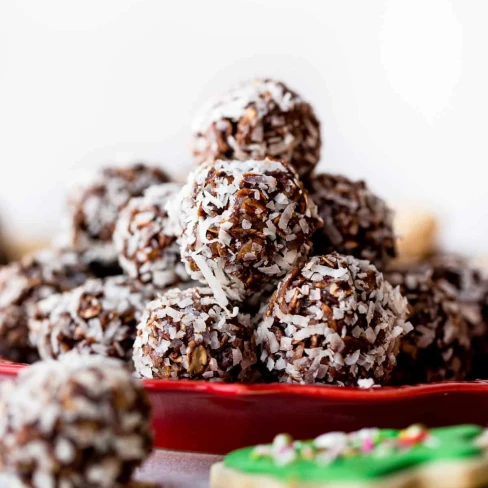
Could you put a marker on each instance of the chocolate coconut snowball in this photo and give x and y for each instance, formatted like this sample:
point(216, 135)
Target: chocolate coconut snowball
point(356, 221)
point(81, 422)
point(439, 347)
point(187, 334)
point(333, 320)
point(465, 283)
point(99, 317)
point(23, 284)
point(94, 207)
point(245, 225)
point(145, 244)
point(258, 119)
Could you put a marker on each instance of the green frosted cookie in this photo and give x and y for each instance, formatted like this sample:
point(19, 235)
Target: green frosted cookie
point(414, 457)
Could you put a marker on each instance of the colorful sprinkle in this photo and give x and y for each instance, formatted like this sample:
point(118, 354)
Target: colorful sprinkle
point(334, 445)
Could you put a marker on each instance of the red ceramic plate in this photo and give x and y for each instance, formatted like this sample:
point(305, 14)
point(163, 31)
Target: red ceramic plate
point(217, 418)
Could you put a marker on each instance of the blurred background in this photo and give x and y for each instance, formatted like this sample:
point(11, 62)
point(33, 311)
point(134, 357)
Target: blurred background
point(400, 88)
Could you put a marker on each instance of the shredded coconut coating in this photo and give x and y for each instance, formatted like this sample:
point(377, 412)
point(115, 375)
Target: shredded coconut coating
point(334, 320)
point(439, 348)
point(245, 225)
point(13, 481)
point(356, 221)
point(99, 317)
point(464, 283)
point(260, 118)
point(23, 284)
point(187, 334)
point(146, 247)
point(94, 207)
point(80, 422)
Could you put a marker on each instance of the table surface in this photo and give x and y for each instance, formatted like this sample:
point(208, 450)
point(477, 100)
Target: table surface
point(170, 469)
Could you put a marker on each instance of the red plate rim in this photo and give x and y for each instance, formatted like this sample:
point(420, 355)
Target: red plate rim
point(315, 391)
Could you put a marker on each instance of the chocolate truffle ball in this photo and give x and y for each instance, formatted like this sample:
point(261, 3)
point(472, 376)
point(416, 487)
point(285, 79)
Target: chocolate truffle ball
point(258, 119)
point(334, 320)
point(465, 283)
point(145, 245)
point(81, 422)
point(23, 284)
point(356, 221)
point(187, 334)
point(245, 225)
point(99, 317)
point(94, 207)
point(439, 347)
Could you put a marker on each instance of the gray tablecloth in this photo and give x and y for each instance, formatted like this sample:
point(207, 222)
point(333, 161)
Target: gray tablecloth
point(170, 469)
point(178, 470)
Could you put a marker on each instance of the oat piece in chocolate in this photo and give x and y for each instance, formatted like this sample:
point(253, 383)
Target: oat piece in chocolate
point(439, 347)
point(23, 284)
point(356, 221)
point(146, 247)
point(245, 225)
point(82, 422)
point(99, 317)
point(187, 334)
point(467, 284)
point(334, 320)
point(94, 207)
point(260, 118)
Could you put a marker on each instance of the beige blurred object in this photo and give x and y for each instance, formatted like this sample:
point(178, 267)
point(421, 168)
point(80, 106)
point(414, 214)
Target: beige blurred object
point(17, 248)
point(416, 229)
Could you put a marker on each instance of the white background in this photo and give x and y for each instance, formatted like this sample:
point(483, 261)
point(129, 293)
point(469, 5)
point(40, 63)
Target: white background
point(400, 87)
